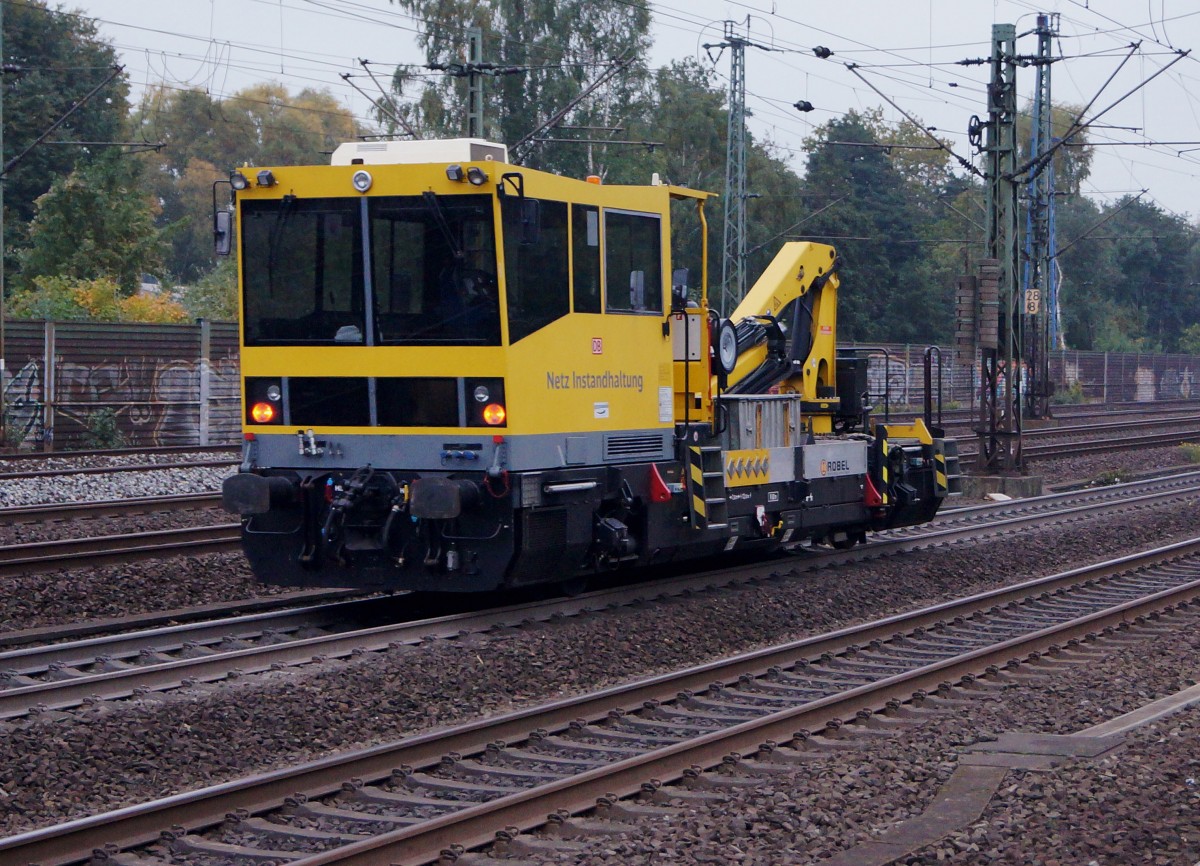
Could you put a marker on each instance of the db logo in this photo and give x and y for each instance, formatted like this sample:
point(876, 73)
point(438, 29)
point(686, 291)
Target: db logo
point(597, 345)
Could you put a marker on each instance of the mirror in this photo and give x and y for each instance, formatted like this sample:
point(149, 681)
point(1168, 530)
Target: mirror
point(223, 232)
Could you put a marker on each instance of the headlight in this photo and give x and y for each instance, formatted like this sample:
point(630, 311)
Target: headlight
point(262, 413)
point(482, 394)
point(361, 180)
point(494, 414)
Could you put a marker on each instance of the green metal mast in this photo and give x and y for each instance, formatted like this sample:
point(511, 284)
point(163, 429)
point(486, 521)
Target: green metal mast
point(999, 430)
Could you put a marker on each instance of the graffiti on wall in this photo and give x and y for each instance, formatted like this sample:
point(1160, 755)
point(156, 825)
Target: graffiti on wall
point(155, 402)
point(1176, 384)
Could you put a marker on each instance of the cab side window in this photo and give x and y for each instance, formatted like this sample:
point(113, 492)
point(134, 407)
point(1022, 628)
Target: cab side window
point(535, 265)
point(633, 262)
point(585, 249)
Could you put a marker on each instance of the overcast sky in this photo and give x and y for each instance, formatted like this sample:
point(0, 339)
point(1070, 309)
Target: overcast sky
point(907, 49)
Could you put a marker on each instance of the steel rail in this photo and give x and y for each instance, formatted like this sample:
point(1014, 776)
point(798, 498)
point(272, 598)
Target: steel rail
point(1076, 429)
point(28, 456)
point(18, 559)
point(173, 638)
point(61, 511)
point(423, 843)
point(111, 470)
point(74, 841)
point(117, 684)
point(1059, 449)
point(84, 629)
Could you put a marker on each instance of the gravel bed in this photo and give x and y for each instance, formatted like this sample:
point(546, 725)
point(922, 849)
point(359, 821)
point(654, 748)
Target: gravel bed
point(120, 485)
point(93, 527)
point(83, 459)
point(139, 750)
point(1141, 805)
point(53, 598)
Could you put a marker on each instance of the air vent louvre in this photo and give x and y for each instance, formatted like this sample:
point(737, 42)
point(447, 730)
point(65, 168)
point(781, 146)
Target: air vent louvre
point(626, 447)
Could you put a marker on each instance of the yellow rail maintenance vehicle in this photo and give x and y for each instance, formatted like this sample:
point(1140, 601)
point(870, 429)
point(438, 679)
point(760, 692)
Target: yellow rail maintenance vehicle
point(463, 375)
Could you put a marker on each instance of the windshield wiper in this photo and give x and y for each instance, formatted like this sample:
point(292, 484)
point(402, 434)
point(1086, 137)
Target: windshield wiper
point(439, 217)
point(286, 209)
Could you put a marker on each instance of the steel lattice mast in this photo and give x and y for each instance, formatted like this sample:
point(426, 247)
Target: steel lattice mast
point(1040, 252)
point(733, 262)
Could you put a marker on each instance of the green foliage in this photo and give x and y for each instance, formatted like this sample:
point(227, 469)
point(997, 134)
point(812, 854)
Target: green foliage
point(206, 137)
point(1189, 340)
point(14, 437)
point(214, 296)
point(877, 216)
point(60, 58)
point(562, 46)
point(65, 299)
point(1072, 163)
point(1190, 451)
point(1113, 476)
point(103, 430)
point(1072, 394)
point(95, 222)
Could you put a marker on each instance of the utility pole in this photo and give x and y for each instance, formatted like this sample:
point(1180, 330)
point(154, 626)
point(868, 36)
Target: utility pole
point(733, 262)
point(474, 83)
point(999, 429)
point(474, 70)
point(3, 251)
point(1040, 298)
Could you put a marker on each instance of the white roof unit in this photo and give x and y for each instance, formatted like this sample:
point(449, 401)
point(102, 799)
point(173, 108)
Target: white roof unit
point(415, 152)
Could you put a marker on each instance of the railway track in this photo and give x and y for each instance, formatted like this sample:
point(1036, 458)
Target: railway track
point(109, 470)
point(16, 559)
point(30, 456)
point(1051, 450)
point(66, 512)
point(407, 802)
point(58, 676)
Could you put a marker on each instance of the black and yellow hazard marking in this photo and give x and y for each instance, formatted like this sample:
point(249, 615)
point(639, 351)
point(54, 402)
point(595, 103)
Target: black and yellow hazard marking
point(699, 508)
point(883, 470)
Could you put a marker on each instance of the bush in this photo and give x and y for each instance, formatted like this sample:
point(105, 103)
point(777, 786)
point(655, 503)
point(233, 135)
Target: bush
point(1070, 395)
point(1191, 451)
point(103, 430)
point(1113, 476)
point(100, 300)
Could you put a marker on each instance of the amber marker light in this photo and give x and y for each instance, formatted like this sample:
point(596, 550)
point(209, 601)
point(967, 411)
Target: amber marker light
point(494, 414)
point(264, 413)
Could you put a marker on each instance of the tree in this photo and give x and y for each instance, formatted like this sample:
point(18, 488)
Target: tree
point(66, 298)
point(559, 46)
point(214, 296)
point(869, 211)
point(1073, 160)
point(97, 221)
point(205, 138)
point(57, 58)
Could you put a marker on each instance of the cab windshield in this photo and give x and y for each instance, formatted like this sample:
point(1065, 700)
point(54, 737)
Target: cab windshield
point(397, 270)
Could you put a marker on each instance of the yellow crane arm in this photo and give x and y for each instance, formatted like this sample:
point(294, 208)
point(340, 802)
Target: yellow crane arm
point(787, 325)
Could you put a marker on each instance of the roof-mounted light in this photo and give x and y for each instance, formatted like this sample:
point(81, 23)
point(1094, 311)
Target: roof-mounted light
point(266, 177)
point(455, 173)
point(361, 180)
point(477, 176)
point(237, 180)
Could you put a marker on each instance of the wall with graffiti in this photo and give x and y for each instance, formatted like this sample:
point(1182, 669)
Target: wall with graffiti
point(74, 384)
